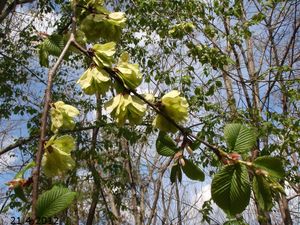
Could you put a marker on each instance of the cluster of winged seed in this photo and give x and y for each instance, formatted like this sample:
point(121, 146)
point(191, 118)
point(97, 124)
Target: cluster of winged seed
point(102, 23)
point(175, 107)
point(125, 107)
point(94, 80)
point(62, 116)
point(57, 158)
point(103, 54)
point(129, 73)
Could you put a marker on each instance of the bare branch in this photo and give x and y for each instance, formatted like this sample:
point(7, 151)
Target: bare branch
point(11, 7)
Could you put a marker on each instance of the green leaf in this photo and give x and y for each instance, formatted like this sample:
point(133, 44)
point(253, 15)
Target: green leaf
point(54, 201)
point(239, 138)
point(211, 90)
point(163, 124)
point(43, 56)
point(165, 145)
point(54, 44)
point(175, 106)
point(176, 173)
point(235, 222)
point(62, 116)
point(94, 80)
point(262, 191)
point(258, 17)
point(125, 107)
point(19, 192)
point(230, 189)
point(272, 165)
point(64, 144)
point(195, 145)
point(192, 171)
point(117, 19)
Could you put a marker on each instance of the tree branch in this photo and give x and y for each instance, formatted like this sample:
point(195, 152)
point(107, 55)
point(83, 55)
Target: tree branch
point(96, 176)
point(136, 213)
point(156, 196)
point(11, 7)
point(178, 203)
point(17, 144)
point(40, 151)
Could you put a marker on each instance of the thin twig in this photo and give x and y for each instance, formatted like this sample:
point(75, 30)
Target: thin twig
point(26, 67)
point(11, 7)
point(18, 143)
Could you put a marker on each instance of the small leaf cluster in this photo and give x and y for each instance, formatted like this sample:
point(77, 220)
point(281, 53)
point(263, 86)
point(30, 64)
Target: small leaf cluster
point(167, 147)
point(180, 30)
point(209, 55)
point(126, 107)
point(62, 116)
point(231, 186)
point(57, 158)
point(94, 80)
point(19, 182)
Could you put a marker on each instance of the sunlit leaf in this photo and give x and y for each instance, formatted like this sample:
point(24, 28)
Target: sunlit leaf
point(54, 201)
point(230, 189)
point(129, 73)
point(262, 191)
point(239, 138)
point(125, 107)
point(94, 80)
point(165, 145)
point(192, 171)
point(175, 107)
point(104, 54)
point(62, 116)
point(273, 166)
point(57, 159)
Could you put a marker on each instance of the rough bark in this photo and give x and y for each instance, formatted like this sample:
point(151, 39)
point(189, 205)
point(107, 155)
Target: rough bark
point(284, 210)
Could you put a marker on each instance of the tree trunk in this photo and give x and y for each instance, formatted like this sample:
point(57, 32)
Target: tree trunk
point(134, 196)
point(95, 197)
point(178, 204)
point(284, 210)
